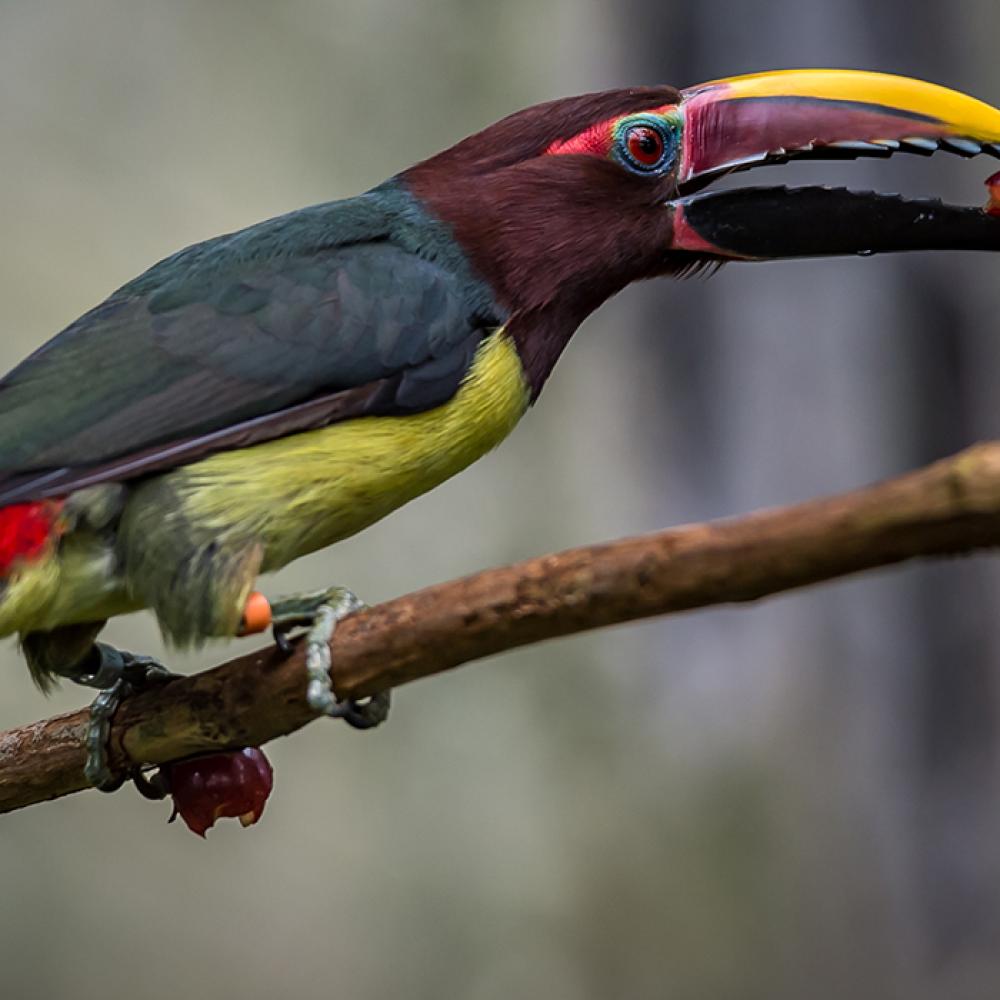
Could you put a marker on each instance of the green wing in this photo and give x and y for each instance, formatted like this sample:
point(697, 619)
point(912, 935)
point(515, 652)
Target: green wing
point(154, 378)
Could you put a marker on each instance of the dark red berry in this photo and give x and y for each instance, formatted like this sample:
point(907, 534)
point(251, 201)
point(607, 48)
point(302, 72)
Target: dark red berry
point(217, 785)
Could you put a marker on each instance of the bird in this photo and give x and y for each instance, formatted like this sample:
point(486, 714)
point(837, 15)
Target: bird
point(269, 392)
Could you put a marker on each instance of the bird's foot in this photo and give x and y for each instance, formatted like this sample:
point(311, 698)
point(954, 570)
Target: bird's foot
point(319, 613)
point(118, 674)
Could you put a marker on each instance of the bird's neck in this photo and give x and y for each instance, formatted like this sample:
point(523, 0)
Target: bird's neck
point(547, 265)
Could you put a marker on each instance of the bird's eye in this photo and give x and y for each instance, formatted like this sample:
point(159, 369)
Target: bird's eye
point(645, 147)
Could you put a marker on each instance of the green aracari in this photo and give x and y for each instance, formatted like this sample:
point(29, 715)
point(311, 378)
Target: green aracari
point(266, 393)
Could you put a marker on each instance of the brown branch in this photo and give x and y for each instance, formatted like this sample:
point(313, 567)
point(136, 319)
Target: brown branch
point(948, 508)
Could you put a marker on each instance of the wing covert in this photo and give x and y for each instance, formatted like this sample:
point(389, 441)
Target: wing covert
point(186, 362)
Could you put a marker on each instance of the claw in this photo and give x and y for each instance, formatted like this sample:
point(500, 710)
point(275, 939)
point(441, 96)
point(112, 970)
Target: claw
point(156, 788)
point(367, 713)
point(282, 641)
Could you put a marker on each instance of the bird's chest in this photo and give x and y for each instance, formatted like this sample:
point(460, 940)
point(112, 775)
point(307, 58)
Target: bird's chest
point(306, 491)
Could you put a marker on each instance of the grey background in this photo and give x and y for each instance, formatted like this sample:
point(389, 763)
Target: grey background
point(796, 799)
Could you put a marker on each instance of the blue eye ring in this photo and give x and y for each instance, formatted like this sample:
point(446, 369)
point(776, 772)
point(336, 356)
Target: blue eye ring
point(646, 145)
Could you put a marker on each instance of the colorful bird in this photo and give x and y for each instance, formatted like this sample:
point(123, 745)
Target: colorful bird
point(266, 393)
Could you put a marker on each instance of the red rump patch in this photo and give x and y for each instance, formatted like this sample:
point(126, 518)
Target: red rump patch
point(26, 531)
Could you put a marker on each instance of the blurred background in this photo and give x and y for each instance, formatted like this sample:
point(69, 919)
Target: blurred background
point(793, 799)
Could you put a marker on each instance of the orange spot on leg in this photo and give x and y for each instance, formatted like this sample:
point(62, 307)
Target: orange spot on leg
point(256, 614)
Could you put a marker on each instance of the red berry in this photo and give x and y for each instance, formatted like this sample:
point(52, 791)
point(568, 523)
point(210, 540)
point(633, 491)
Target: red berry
point(993, 187)
point(217, 785)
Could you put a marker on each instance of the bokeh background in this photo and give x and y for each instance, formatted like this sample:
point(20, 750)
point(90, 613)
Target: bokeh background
point(793, 799)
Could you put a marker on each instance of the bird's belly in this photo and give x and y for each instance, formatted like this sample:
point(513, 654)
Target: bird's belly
point(303, 492)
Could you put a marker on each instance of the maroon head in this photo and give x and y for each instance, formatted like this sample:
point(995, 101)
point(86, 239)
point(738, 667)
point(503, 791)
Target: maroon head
point(559, 206)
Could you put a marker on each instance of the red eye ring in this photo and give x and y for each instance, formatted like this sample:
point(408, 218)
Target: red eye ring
point(644, 145)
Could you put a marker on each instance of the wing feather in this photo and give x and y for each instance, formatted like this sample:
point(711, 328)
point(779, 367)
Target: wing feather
point(153, 380)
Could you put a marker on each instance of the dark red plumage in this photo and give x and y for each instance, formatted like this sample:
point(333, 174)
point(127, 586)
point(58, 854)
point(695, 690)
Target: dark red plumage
point(553, 234)
point(528, 133)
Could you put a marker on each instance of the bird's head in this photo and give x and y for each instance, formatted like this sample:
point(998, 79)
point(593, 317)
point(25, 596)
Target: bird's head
point(561, 205)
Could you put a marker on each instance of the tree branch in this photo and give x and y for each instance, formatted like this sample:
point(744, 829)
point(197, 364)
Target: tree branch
point(950, 507)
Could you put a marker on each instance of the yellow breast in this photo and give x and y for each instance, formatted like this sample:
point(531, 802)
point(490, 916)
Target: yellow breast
point(303, 492)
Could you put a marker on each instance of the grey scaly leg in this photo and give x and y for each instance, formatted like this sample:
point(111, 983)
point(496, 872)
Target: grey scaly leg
point(118, 674)
point(320, 612)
